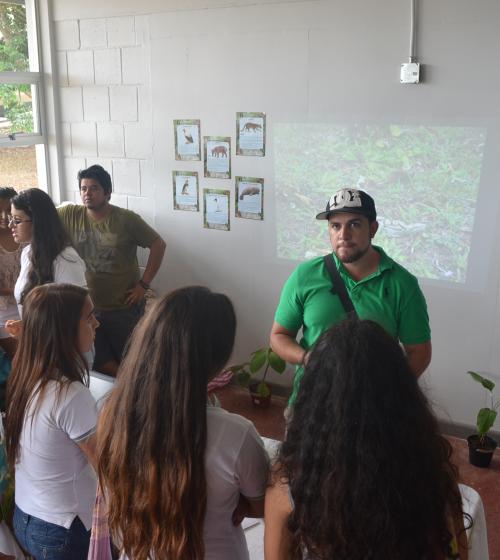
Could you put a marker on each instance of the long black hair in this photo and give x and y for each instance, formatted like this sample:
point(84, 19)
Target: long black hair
point(152, 433)
point(49, 237)
point(369, 473)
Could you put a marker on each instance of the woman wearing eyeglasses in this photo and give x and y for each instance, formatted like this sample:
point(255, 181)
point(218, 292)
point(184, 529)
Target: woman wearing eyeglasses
point(49, 256)
point(10, 256)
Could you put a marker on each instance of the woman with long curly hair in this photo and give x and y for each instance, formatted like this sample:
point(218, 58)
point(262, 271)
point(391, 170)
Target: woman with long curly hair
point(48, 255)
point(363, 473)
point(178, 475)
point(50, 424)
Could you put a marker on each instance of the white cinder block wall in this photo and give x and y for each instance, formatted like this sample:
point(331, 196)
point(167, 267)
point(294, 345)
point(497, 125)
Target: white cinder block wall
point(103, 73)
point(128, 68)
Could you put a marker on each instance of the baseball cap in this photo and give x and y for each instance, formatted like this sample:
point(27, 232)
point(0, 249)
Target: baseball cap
point(350, 200)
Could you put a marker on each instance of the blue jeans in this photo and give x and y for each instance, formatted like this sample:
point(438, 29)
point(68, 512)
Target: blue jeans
point(47, 541)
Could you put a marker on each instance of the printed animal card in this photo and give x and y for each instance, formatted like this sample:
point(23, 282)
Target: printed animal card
point(249, 202)
point(250, 134)
point(216, 209)
point(187, 140)
point(185, 185)
point(217, 156)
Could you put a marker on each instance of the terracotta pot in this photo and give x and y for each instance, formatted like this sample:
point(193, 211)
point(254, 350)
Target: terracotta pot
point(257, 399)
point(481, 455)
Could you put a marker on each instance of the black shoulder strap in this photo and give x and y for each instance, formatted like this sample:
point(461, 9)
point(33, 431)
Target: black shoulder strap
point(338, 286)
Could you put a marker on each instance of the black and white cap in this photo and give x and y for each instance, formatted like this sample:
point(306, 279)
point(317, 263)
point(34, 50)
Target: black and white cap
point(350, 200)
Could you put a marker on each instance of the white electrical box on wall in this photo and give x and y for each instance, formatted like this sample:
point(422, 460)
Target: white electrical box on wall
point(410, 73)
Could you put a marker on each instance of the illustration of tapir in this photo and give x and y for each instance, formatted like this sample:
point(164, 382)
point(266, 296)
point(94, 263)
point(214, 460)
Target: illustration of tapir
point(250, 126)
point(248, 191)
point(219, 151)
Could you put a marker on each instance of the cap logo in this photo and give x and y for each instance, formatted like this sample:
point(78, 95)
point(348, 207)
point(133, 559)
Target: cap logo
point(345, 199)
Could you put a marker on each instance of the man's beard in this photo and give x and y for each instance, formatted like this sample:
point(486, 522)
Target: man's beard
point(354, 256)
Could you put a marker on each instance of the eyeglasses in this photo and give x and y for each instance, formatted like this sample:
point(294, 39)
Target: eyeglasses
point(15, 221)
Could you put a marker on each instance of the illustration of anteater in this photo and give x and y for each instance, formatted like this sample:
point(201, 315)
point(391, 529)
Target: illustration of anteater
point(219, 151)
point(248, 191)
point(250, 126)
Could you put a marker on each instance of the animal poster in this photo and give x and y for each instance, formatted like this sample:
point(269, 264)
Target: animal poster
point(250, 134)
point(186, 190)
point(216, 209)
point(249, 202)
point(187, 140)
point(217, 155)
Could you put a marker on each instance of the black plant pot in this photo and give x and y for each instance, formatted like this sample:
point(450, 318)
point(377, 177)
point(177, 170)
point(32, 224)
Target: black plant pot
point(480, 455)
point(257, 399)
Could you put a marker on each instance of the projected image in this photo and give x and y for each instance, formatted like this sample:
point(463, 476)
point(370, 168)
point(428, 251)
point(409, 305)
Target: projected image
point(424, 180)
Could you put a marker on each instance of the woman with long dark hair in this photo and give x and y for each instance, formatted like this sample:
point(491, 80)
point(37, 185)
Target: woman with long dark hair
point(50, 424)
point(363, 473)
point(10, 257)
point(179, 475)
point(48, 255)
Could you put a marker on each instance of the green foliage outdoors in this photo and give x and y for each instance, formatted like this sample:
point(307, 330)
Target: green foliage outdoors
point(486, 416)
point(424, 180)
point(14, 57)
point(262, 358)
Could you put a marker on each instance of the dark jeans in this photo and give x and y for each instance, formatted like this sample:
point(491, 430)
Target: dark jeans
point(47, 541)
point(115, 328)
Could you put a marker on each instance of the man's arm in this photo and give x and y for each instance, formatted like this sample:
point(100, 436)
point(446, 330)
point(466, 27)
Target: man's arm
point(283, 342)
point(419, 356)
point(156, 253)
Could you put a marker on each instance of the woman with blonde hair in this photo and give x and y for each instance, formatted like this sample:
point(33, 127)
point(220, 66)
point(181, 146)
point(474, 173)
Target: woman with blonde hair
point(178, 474)
point(50, 423)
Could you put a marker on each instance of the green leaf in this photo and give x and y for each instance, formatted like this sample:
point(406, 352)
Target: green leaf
point(263, 390)
point(238, 367)
point(486, 383)
point(485, 419)
point(243, 378)
point(259, 358)
point(277, 363)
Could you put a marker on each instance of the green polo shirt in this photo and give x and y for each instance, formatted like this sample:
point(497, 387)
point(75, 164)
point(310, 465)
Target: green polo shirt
point(390, 296)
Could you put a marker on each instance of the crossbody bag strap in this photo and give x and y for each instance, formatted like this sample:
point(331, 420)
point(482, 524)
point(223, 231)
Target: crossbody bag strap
point(339, 287)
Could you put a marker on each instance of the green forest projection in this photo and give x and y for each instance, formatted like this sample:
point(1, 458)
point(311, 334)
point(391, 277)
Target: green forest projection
point(424, 179)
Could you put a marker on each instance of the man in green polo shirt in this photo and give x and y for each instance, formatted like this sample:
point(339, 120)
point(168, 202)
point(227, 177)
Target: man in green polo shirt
point(379, 288)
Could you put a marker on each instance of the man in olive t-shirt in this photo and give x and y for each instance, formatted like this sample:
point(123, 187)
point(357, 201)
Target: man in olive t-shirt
point(379, 288)
point(106, 237)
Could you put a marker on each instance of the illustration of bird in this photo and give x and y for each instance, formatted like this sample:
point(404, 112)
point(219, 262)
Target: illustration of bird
point(185, 187)
point(187, 136)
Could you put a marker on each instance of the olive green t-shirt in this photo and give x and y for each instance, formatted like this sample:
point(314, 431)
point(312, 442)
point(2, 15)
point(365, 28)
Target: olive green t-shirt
point(109, 249)
point(390, 296)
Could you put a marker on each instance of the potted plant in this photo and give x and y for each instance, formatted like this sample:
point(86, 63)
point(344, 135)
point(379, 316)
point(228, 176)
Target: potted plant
point(481, 445)
point(260, 360)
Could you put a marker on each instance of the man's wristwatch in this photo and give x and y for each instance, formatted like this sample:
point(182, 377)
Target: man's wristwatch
point(143, 284)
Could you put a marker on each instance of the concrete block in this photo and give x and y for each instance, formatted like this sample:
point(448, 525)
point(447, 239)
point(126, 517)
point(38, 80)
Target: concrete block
point(145, 207)
point(133, 65)
point(147, 178)
point(107, 63)
point(144, 103)
point(110, 140)
point(71, 166)
point(96, 103)
point(121, 31)
point(138, 140)
point(93, 33)
point(80, 67)
point(123, 103)
point(83, 139)
point(127, 176)
point(62, 69)
point(67, 35)
point(120, 200)
point(141, 29)
point(71, 104)
point(66, 138)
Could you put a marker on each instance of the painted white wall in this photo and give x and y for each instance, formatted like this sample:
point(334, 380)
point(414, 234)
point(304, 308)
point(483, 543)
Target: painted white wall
point(127, 69)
